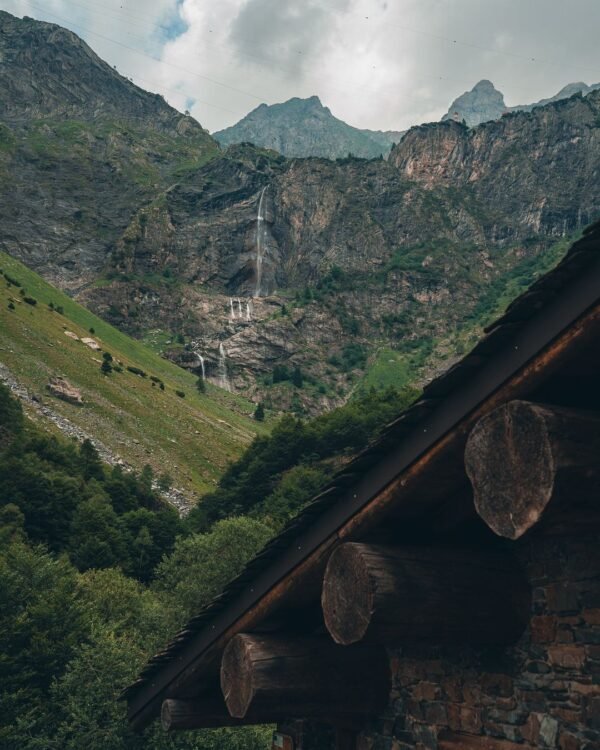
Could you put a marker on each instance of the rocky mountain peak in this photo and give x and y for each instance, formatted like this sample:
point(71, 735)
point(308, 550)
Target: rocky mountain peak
point(482, 103)
point(48, 71)
point(306, 127)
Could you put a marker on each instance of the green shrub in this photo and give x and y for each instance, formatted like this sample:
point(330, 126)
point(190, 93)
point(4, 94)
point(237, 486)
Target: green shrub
point(136, 371)
point(11, 280)
point(280, 373)
point(181, 394)
point(30, 301)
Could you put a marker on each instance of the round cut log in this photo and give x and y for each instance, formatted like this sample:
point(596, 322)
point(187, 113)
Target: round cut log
point(280, 677)
point(392, 596)
point(515, 455)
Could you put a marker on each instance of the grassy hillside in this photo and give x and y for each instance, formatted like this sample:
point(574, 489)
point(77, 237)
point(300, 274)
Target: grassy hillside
point(192, 438)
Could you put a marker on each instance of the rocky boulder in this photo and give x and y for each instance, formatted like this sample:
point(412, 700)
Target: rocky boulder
point(61, 388)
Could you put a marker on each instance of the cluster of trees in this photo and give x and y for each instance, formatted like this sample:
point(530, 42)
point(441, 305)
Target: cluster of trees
point(96, 573)
point(279, 473)
point(71, 502)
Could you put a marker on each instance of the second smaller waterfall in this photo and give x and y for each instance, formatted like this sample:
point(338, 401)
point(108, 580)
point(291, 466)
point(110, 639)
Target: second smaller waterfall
point(222, 368)
point(202, 367)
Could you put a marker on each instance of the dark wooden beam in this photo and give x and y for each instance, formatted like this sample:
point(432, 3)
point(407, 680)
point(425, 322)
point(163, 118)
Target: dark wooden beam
point(207, 712)
point(515, 457)
point(277, 676)
point(392, 595)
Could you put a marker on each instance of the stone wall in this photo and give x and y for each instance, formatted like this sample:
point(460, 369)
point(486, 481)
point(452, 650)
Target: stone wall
point(542, 693)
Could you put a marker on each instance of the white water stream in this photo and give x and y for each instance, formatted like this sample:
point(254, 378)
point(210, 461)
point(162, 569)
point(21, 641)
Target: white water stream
point(260, 242)
point(222, 369)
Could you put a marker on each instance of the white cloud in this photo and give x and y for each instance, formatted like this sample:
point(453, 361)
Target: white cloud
point(375, 63)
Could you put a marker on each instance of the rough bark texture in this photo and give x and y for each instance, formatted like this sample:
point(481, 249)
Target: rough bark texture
point(394, 595)
point(278, 677)
point(515, 455)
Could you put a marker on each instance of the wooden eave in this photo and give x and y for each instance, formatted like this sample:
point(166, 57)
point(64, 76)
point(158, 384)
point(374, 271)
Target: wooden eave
point(536, 337)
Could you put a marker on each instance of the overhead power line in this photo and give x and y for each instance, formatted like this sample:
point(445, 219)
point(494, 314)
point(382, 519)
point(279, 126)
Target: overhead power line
point(145, 54)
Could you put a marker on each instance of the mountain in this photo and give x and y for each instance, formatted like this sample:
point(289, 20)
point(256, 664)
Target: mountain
point(304, 127)
point(133, 414)
point(484, 102)
point(571, 89)
point(73, 129)
point(301, 282)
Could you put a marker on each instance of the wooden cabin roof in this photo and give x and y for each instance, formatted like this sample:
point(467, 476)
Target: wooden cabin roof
point(422, 447)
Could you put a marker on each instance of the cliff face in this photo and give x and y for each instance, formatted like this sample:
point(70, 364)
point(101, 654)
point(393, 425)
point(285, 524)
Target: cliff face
point(538, 171)
point(358, 272)
point(373, 254)
point(304, 127)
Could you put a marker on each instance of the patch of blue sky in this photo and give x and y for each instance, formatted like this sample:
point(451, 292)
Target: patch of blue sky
point(172, 25)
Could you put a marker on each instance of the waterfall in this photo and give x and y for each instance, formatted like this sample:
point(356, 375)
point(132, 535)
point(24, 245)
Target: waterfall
point(260, 242)
point(248, 310)
point(240, 314)
point(202, 367)
point(232, 310)
point(222, 368)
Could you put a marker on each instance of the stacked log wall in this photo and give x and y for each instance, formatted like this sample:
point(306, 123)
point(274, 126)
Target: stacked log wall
point(543, 692)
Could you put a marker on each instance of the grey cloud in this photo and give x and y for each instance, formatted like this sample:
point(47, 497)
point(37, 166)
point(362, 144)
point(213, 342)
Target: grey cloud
point(284, 33)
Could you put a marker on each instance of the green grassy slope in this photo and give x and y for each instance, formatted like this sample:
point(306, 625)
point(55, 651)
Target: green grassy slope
point(192, 438)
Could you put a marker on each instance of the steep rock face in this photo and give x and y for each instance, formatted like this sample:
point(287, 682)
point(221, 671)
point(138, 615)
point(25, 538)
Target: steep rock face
point(376, 253)
point(304, 127)
point(73, 129)
point(538, 171)
point(48, 71)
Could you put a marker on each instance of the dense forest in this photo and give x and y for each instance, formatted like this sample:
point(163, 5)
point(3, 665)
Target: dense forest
point(97, 572)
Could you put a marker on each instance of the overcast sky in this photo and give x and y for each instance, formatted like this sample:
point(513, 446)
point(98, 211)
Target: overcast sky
point(380, 64)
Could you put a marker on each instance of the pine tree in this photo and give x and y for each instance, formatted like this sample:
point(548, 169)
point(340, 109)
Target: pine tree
point(259, 413)
point(201, 385)
point(297, 378)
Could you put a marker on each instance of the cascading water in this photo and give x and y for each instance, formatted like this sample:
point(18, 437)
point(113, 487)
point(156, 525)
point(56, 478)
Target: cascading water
point(232, 309)
point(222, 368)
point(260, 242)
point(248, 303)
point(239, 304)
point(202, 367)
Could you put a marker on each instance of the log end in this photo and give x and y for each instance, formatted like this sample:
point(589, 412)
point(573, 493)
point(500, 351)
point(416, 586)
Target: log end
point(166, 718)
point(236, 682)
point(509, 460)
point(347, 595)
